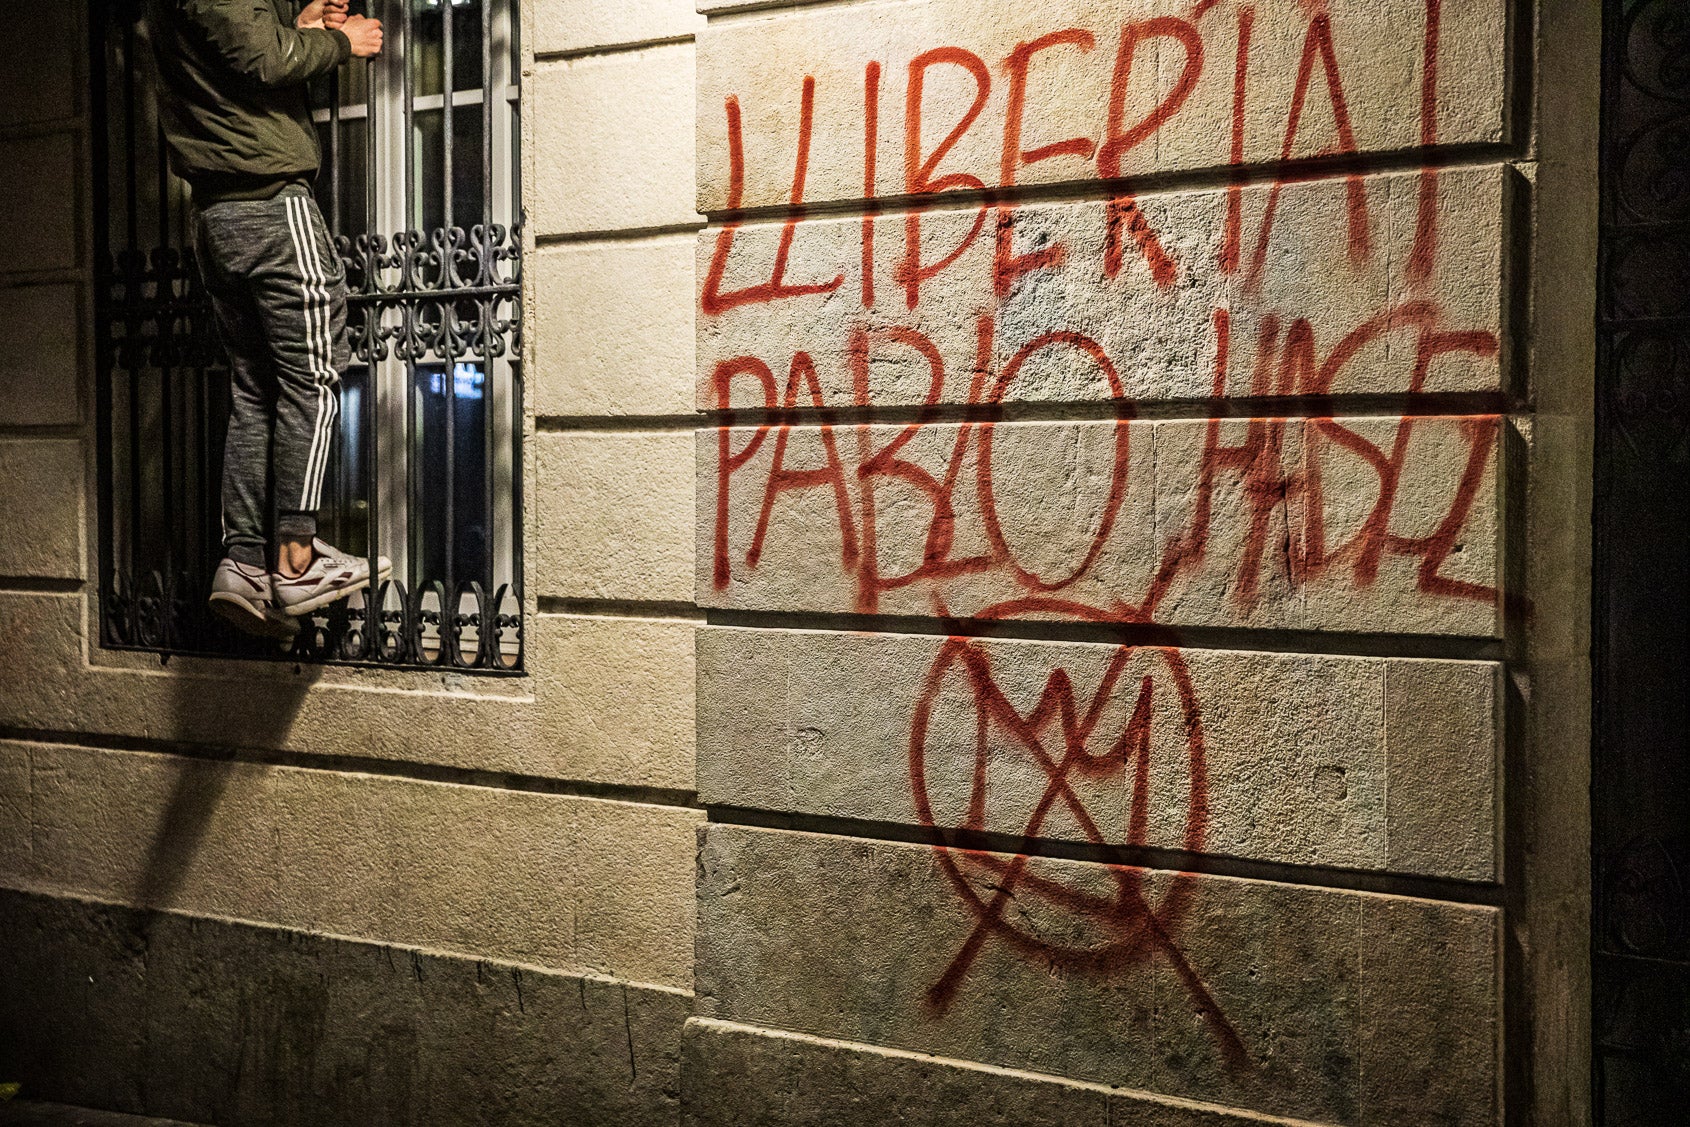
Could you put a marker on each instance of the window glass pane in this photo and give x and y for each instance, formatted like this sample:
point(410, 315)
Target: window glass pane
point(352, 161)
point(466, 44)
point(345, 521)
point(430, 170)
point(355, 83)
point(454, 468)
point(425, 48)
point(354, 177)
point(423, 56)
point(468, 198)
point(428, 46)
point(515, 161)
point(427, 146)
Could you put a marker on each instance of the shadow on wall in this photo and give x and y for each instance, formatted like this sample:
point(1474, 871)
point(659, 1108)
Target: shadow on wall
point(232, 724)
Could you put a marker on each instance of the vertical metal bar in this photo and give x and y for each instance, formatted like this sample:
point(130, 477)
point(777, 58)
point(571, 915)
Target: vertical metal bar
point(135, 278)
point(371, 421)
point(447, 80)
point(517, 479)
point(99, 59)
point(489, 309)
point(488, 92)
point(207, 506)
point(334, 153)
point(451, 487)
point(406, 66)
point(340, 517)
point(411, 221)
point(510, 190)
point(163, 192)
point(165, 301)
point(131, 185)
point(448, 308)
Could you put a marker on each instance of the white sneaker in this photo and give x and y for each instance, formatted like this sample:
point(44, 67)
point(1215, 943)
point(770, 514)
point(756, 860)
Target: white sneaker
point(244, 597)
point(332, 575)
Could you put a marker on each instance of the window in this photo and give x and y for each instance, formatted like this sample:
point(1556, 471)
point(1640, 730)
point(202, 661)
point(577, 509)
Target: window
point(420, 187)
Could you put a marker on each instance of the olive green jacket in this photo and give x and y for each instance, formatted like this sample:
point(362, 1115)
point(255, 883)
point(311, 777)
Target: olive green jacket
point(232, 80)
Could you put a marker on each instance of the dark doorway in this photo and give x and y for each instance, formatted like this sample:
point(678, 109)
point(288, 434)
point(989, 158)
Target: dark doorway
point(1641, 777)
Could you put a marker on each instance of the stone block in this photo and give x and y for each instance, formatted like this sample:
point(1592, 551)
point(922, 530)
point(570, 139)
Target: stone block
point(569, 719)
point(17, 816)
point(1419, 499)
point(1442, 719)
point(740, 1076)
point(622, 698)
point(613, 328)
point(155, 831)
point(561, 26)
point(38, 226)
point(73, 1003)
point(463, 1041)
point(569, 884)
point(1361, 524)
point(33, 1113)
point(46, 654)
point(40, 369)
point(1239, 993)
point(1274, 757)
point(612, 139)
point(219, 1022)
point(41, 495)
point(1292, 309)
point(1171, 84)
point(42, 83)
point(613, 516)
point(1408, 993)
point(552, 881)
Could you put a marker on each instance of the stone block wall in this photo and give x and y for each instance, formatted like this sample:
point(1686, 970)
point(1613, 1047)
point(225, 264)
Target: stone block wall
point(1055, 542)
point(1121, 527)
point(246, 893)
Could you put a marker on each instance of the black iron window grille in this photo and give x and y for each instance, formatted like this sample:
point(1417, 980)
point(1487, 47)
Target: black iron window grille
point(420, 188)
point(1640, 819)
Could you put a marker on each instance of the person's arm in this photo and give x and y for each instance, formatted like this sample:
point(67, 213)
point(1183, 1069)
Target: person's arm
point(258, 45)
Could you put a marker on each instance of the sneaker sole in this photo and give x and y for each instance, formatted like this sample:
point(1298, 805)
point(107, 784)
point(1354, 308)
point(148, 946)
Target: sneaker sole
point(239, 613)
point(318, 602)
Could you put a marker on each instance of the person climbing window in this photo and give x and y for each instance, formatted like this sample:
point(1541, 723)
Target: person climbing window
point(237, 125)
point(421, 189)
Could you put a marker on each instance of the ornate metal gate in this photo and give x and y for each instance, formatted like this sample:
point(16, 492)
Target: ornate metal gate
point(1641, 778)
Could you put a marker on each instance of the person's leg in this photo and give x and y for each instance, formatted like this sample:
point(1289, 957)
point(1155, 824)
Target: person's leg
point(242, 592)
point(301, 296)
point(277, 254)
point(252, 398)
point(299, 288)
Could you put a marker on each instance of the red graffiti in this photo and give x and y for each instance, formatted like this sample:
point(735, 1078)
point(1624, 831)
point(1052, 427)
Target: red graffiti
point(1066, 741)
point(714, 301)
point(1292, 527)
point(1008, 266)
point(1287, 362)
point(1317, 45)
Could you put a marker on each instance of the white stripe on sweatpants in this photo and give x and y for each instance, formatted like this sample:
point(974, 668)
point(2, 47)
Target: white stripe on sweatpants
point(314, 359)
point(320, 349)
point(314, 297)
point(325, 343)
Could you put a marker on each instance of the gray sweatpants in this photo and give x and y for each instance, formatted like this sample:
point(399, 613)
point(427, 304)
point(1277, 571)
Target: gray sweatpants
point(278, 292)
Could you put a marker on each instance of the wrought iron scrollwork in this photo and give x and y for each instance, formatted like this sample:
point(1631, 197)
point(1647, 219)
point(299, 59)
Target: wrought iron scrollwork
point(445, 295)
point(441, 297)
